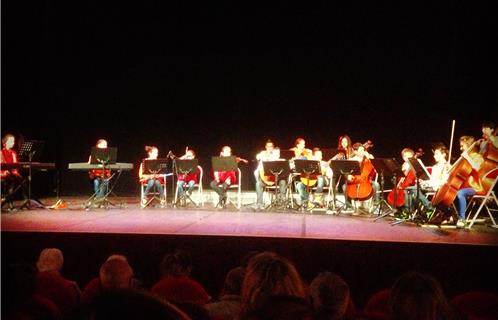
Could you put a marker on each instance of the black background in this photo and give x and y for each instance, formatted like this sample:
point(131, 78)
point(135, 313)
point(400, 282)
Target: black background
point(177, 74)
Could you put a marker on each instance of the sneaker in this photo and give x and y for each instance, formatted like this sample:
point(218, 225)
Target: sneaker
point(163, 203)
point(143, 203)
point(460, 223)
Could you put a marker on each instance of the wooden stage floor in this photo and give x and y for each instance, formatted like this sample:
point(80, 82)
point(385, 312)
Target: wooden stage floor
point(246, 222)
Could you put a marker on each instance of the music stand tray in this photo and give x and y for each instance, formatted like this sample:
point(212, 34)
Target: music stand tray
point(276, 168)
point(420, 170)
point(31, 150)
point(155, 166)
point(103, 155)
point(224, 163)
point(186, 166)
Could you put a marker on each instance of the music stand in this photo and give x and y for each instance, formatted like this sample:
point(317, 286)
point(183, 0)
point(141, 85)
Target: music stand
point(276, 169)
point(157, 168)
point(185, 166)
point(224, 164)
point(345, 168)
point(104, 157)
point(386, 167)
point(307, 168)
point(31, 150)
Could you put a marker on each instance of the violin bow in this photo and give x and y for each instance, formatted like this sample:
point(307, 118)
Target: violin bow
point(451, 141)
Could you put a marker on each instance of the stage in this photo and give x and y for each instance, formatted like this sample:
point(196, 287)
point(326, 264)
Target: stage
point(369, 253)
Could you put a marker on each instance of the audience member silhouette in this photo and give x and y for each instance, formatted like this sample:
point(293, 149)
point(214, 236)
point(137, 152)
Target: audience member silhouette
point(175, 284)
point(19, 300)
point(129, 304)
point(269, 274)
point(418, 296)
point(111, 275)
point(330, 295)
point(52, 285)
point(282, 307)
point(229, 304)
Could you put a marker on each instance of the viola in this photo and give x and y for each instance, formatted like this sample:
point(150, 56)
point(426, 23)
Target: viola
point(360, 188)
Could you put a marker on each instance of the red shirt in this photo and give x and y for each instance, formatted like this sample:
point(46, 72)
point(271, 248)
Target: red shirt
point(9, 156)
point(181, 289)
point(224, 175)
point(188, 177)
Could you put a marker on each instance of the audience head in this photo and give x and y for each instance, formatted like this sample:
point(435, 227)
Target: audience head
point(233, 281)
point(176, 264)
point(116, 274)
point(330, 295)
point(50, 259)
point(269, 274)
point(418, 296)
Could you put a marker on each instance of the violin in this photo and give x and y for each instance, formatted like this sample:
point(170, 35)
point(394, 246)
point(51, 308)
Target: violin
point(408, 180)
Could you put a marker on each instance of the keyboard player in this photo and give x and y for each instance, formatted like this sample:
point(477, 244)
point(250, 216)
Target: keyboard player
point(11, 179)
point(99, 177)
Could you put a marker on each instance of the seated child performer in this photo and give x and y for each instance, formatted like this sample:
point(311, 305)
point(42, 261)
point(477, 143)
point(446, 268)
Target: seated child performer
point(321, 180)
point(223, 179)
point(151, 180)
point(188, 180)
point(11, 179)
point(98, 176)
point(269, 154)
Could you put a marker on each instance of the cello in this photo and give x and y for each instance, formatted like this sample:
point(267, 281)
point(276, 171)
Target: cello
point(360, 188)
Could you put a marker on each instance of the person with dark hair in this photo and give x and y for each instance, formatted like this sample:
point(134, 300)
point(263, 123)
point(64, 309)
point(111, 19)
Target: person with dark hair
point(186, 181)
point(488, 137)
point(151, 181)
point(344, 148)
point(269, 274)
point(229, 304)
point(330, 296)
point(418, 296)
point(11, 180)
point(175, 284)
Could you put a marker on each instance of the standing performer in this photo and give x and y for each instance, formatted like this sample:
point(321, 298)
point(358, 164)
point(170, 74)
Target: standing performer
point(10, 179)
point(269, 154)
point(98, 176)
point(156, 181)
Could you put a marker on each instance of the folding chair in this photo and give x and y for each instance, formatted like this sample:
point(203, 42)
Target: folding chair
point(154, 194)
point(239, 190)
point(198, 186)
point(487, 200)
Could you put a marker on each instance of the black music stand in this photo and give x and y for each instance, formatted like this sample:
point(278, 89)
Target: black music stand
point(307, 168)
point(185, 166)
point(277, 169)
point(104, 157)
point(345, 168)
point(224, 164)
point(386, 167)
point(156, 167)
point(31, 150)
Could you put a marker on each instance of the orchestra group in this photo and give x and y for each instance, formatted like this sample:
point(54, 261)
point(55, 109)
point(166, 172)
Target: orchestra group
point(281, 172)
